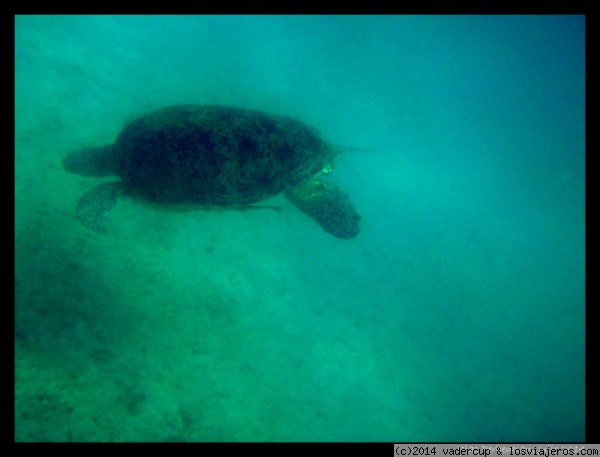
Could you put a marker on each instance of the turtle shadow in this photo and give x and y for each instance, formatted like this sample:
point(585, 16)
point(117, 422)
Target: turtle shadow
point(64, 311)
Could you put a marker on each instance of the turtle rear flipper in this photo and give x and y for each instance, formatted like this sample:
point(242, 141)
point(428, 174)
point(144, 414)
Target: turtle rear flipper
point(328, 205)
point(93, 204)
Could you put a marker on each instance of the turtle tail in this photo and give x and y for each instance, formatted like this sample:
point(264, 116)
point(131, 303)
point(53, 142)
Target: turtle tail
point(90, 161)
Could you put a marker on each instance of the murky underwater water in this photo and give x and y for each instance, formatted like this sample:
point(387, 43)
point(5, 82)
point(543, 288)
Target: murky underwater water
point(456, 314)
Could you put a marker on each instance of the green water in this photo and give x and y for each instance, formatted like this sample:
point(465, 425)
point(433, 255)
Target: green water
point(457, 313)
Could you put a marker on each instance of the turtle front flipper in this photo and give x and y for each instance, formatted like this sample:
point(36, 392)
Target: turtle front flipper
point(93, 204)
point(328, 205)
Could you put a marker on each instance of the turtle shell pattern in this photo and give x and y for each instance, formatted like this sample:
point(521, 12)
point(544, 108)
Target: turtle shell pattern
point(216, 155)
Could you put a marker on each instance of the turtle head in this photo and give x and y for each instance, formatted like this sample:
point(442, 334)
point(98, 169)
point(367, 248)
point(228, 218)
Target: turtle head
point(90, 161)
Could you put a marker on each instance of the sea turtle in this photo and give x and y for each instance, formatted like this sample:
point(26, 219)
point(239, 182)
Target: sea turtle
point(206, 156)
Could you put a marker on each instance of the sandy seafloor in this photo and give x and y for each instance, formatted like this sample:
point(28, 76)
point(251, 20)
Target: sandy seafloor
point(457, 314)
